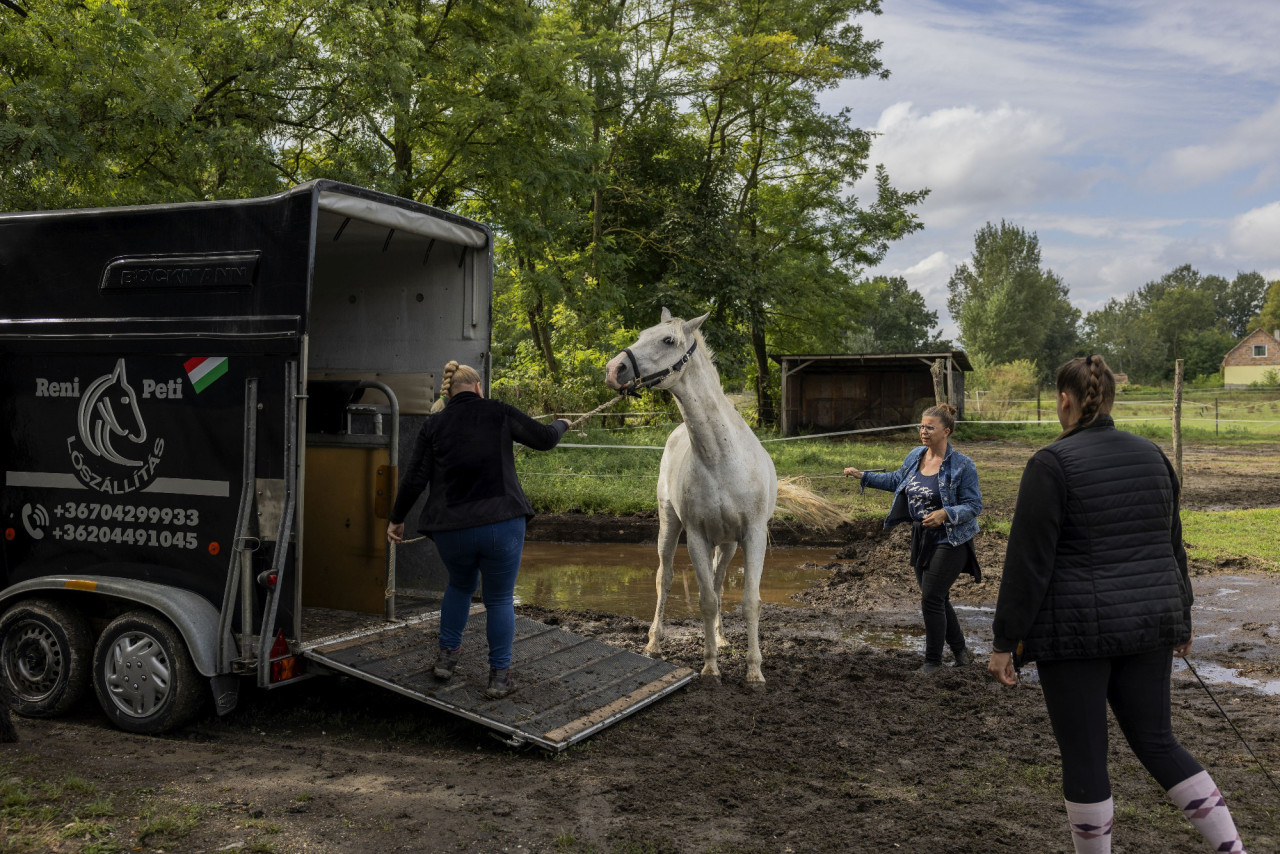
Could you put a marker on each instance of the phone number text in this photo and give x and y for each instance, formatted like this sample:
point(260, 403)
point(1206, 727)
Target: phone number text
point(128, 513)
point(132, 536)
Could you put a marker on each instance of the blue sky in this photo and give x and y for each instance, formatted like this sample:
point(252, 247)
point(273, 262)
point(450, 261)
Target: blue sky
point(1131, 136)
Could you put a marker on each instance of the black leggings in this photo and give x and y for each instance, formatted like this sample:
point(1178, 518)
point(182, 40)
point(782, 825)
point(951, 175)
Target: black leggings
point(945, 566)
point(1077, 692)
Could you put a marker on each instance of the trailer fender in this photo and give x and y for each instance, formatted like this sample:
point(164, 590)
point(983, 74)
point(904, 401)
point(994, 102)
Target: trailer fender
point(193, 616)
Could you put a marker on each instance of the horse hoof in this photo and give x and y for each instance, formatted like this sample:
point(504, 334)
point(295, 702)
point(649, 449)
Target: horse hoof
point(653, 652)
point(711, 673)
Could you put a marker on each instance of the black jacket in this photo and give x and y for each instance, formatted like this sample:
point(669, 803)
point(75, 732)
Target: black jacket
point(464, 456)
point(1095, 565)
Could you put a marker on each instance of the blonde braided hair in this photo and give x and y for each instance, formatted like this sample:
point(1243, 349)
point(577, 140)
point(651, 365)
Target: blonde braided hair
point(453, 372)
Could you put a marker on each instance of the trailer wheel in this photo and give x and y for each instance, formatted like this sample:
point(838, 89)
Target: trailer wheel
point(143, 674)
point(44, 656)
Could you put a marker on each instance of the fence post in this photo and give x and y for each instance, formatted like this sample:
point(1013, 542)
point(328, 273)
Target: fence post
point(1037, 403)
point(939, 390)
point(1177, 417)
point(1215, 416)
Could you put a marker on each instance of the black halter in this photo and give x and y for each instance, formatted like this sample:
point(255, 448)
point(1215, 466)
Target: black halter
point(637, 383)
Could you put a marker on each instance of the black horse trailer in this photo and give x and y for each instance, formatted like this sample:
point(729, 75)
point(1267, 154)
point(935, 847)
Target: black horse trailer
point(204, 408)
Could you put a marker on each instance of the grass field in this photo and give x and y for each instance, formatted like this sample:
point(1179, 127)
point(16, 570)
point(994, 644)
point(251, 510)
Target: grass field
point(1217, 415)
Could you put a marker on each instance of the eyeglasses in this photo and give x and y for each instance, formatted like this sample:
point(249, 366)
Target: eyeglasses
point(928, 428)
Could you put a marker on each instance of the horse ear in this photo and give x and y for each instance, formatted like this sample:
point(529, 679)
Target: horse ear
point(666, 315)
point(691, 326)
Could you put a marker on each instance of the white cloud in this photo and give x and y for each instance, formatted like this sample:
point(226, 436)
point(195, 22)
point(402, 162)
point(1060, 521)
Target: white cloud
point(1256, 233)
point(1251, 143)
point(975, 162)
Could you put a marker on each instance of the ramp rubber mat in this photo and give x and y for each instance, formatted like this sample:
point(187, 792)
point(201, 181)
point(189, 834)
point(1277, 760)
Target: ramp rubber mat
point(569, 686)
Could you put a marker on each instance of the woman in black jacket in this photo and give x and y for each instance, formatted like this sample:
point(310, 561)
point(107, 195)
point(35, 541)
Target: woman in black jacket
point(1096, 590)
point(475, 512)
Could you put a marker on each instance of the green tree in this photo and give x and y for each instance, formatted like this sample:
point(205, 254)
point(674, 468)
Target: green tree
point(1007, 306)
point(1122, 333)
point(1268, 316)
point(118, 103)
point(896, 320)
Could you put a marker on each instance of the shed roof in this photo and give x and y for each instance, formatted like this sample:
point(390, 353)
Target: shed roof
point(879, 361)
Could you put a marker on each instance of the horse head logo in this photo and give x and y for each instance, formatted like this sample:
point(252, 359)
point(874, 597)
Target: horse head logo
point(109, 408)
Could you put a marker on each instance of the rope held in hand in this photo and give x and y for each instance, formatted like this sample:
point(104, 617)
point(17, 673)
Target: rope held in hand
point(573, 425)
point(1187, 661)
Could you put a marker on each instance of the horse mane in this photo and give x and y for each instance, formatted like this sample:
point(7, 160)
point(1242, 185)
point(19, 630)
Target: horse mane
point(678, 324)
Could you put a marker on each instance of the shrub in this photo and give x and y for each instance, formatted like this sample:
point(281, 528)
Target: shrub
point(1001, 385)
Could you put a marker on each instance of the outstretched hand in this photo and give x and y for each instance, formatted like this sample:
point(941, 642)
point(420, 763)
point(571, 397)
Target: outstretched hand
point(852, 472)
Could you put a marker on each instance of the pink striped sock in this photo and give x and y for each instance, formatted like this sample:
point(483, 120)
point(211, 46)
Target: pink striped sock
point(1206, 809)
point(1091, 826)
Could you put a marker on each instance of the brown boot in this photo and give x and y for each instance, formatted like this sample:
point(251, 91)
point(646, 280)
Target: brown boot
point(501, 683)
point(447, 663)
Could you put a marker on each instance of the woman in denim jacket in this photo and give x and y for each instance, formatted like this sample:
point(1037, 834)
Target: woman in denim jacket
point(936, 489)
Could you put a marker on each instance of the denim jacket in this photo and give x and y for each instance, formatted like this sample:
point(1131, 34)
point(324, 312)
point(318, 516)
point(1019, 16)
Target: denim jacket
point(957, 483)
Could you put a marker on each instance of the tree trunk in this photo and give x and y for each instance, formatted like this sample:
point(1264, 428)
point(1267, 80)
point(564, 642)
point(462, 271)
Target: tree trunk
point(939, 386)
point(541, 333)
point(766, 414)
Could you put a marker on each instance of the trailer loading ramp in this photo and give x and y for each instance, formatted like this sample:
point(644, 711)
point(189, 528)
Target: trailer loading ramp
point(570, 687)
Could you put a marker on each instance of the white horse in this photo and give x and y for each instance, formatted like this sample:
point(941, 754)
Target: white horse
point(716, 481)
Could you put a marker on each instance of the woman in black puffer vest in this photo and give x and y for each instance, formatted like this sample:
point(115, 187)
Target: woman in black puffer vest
point(1096, 591)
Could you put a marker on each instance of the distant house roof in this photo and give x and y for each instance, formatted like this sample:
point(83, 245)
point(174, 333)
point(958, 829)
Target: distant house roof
point(876, 360)
point(1241, 355)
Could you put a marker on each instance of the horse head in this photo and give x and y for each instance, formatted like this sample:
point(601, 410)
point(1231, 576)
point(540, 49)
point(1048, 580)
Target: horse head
point(109, 408)
point(657, 357)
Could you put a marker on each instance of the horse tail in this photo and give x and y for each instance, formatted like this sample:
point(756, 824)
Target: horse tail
point(809, 508)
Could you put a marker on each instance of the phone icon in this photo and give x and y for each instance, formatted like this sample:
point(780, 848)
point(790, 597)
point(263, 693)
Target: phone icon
point(38, 515)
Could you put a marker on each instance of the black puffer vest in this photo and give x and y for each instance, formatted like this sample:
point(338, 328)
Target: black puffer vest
point(1118, 582)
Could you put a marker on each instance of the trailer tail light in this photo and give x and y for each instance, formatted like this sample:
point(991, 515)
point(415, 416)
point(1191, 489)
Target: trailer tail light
point(284, 665)
point(267, 578)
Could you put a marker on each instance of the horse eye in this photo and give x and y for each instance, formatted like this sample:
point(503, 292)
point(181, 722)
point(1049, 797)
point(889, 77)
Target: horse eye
point(669, 341)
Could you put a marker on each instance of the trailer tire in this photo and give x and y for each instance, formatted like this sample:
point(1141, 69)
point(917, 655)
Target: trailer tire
point(44, 656)
point(143, 674)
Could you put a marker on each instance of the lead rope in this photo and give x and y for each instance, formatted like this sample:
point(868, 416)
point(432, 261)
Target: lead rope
point(573, 425)
point(1266, 773)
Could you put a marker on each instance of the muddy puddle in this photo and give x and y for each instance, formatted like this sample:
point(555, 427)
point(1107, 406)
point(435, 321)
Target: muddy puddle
point(620, 578)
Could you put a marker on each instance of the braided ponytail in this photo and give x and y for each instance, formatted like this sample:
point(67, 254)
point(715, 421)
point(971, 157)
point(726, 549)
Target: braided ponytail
point(1090, 381)
point(453, 372)
point(446, 384)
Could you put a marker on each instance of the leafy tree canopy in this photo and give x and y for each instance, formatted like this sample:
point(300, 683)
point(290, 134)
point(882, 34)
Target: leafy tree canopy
point(1007, 306)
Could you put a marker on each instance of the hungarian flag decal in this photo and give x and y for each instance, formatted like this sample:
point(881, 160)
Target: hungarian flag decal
point(204, 370)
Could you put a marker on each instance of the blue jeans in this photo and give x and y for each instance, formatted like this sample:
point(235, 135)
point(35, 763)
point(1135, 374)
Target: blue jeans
point(491, 552)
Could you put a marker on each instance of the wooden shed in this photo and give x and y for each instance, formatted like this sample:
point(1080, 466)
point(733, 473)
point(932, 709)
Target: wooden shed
point(833, 391)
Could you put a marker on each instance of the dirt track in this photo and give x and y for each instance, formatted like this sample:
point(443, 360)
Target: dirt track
point(847, 748)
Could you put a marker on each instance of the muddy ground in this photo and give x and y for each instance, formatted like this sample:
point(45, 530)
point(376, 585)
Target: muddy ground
point(847, 748)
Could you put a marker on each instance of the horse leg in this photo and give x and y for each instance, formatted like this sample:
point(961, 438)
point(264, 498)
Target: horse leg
point(669, 529)
point(753, 548)
point(724, 554)
point(700, 553)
